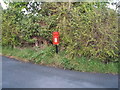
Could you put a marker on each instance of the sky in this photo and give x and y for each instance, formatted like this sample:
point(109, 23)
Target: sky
point(113, 6)
point(4, 6)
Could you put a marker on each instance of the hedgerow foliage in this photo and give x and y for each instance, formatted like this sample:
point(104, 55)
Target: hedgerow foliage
point(86, 29)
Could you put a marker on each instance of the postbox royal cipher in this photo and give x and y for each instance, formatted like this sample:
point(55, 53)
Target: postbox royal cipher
point(55, 38)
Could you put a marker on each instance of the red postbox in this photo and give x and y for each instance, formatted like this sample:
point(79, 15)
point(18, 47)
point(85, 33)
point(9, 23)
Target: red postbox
point(55, 38)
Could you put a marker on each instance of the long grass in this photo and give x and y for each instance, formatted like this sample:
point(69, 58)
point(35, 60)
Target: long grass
point(48, 57)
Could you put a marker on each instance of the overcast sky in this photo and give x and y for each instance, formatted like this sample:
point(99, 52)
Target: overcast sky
point(3, 4)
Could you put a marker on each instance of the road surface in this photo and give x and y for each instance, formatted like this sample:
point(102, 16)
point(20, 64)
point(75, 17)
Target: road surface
point(16, 74)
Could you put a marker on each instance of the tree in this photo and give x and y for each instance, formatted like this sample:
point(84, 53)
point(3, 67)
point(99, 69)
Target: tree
point(86, 29)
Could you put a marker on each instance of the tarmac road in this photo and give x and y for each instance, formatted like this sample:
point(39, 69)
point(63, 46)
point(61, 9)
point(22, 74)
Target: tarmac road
point(17, 74)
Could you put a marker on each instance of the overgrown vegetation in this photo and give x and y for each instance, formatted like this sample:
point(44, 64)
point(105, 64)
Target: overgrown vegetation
point(48, 57)
point(88, 32)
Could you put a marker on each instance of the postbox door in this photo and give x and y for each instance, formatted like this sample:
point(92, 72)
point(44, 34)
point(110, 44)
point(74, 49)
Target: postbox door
point(55, 38)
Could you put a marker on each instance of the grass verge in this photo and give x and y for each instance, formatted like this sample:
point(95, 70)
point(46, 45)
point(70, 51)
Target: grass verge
point(48, 57)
